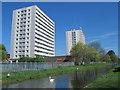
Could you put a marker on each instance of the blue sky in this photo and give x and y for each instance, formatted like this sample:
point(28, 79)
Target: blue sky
point(99, 22)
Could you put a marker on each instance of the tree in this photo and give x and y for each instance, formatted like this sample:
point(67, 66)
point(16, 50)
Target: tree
point(83, 53)
point(77, 52)
point(97, 47)
point(105, 58)
point(29, 59)
point(3, 52)
point(112, 55)
point(91, 55)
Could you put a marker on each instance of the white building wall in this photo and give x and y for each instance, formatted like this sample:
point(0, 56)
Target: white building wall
point(27, 43)
point(79, 37)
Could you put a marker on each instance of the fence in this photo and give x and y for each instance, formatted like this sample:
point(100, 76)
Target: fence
point(29, 66)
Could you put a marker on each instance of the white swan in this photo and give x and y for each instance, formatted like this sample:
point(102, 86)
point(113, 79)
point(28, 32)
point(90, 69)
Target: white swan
point(8, 75)
point(51, 79)
point(77, 68)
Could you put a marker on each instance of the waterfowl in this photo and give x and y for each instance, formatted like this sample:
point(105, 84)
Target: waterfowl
point(8, 75)
point(51, 79)
point(77, 68)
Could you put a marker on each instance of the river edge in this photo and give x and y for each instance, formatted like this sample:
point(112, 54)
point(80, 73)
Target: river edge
point(22, 76)
point(110, 80)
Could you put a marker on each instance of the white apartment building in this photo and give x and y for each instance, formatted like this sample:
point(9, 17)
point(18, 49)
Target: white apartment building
point(32, 33)
point(72, 38)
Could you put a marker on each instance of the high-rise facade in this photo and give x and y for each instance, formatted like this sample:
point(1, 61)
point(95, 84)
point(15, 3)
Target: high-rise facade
point(32, 33)
point(72, 37)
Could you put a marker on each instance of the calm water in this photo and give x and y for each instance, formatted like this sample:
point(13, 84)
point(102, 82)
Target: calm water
point(77, 79)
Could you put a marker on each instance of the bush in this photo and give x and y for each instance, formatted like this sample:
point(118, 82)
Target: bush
point(28, 59)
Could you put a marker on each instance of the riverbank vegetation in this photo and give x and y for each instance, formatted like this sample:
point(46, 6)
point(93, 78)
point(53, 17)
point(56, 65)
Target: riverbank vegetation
point(30, 59)
point(21, 76)
point(109, 80)
point(85, 53)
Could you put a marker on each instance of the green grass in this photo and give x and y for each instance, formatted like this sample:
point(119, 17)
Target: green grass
point(109, 80)
point(21, 76)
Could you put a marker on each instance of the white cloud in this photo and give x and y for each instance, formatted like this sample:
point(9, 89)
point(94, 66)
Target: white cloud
point(101, 37)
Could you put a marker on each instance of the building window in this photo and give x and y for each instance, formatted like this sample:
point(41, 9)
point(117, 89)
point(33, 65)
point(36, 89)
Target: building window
point(27, 33)
point(28, 9)
point(18, 19)
point(27, 37)
point(28, 13)
point(15, 55)
point(27, 50)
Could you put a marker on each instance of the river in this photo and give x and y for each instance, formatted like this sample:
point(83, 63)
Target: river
point(77, 79)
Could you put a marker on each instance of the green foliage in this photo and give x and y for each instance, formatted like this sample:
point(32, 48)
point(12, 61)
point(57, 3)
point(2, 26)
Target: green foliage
point(97, 47)
point(83, 53)
point(28, 59)
point(105, 58)
point(3, 52)
point(112, 55)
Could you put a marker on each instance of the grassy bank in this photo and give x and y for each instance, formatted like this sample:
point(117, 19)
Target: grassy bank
point(21, 76)
point(109, 80)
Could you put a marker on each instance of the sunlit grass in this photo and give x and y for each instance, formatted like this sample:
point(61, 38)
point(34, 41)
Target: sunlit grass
point(109, 80)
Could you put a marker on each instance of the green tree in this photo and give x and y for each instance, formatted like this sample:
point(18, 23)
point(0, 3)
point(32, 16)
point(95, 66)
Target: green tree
point(112, 55)
point(29, 59)
point(91, 55)
point(3, 52)
point(83, 53)
point(97, 47)
point(77, 52)
point(39, 59)
point(105, 58)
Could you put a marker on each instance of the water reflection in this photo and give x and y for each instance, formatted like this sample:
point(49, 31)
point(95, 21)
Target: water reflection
point(77, 79)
